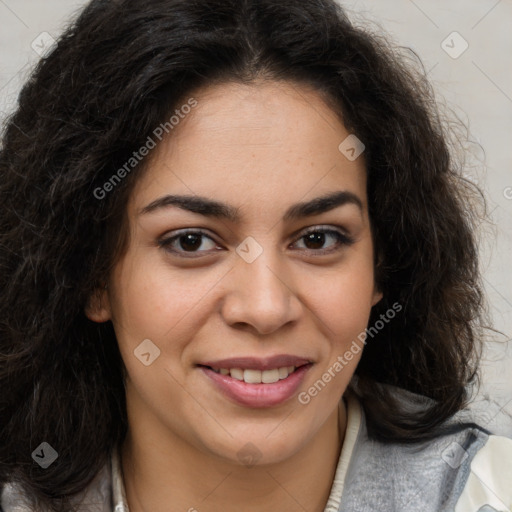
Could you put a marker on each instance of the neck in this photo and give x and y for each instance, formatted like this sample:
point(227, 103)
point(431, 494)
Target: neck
point(178, 476)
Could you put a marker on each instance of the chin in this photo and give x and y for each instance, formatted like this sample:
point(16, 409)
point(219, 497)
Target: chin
point(253, 451)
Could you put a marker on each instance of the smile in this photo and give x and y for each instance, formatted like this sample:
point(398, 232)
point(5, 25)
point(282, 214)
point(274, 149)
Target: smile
point(257, 376)
point(257, 388)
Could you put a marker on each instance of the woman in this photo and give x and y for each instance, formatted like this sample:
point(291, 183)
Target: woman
point(238, 272)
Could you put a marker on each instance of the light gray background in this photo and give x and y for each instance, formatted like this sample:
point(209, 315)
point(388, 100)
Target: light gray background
point(477, 85)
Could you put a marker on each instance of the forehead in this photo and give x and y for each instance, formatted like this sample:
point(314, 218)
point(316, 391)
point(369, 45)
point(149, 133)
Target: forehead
point(244, 144)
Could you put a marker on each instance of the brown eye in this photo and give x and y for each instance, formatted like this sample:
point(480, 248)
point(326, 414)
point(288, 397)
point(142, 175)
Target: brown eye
point(194, 243)
point(315, 240)
point(187, 242)
point(190, 242)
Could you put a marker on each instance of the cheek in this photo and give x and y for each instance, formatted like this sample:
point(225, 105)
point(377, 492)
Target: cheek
point(156, 303)
point(344, 305)
point(346, 297)
point(142, 299)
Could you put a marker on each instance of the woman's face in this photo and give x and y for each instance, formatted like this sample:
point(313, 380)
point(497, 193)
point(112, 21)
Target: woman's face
point(254, 162)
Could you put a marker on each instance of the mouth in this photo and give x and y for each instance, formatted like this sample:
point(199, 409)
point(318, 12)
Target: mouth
point(255, 376)
point(256, 388)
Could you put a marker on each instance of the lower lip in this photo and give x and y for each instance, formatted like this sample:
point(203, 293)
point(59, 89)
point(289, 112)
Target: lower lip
point(258, 395)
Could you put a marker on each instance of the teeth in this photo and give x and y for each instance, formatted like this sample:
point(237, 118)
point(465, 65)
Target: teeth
point(237, 373)
point(252, 376)
point(283, 372)
point(257, 376)
point(270, 376)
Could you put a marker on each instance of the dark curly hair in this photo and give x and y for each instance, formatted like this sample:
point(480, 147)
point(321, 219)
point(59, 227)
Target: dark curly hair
point(115, 74)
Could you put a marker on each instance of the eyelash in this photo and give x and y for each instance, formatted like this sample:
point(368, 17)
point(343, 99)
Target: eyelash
point(341, 238)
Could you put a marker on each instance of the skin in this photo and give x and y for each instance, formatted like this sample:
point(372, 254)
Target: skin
point(261, 147)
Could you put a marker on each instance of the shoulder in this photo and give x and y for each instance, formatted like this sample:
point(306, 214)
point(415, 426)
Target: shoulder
point(13, 499)
point(444, 474)
point(489, 484)
point(97, 497)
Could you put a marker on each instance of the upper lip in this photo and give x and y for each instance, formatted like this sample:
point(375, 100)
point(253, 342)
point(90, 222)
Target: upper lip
point(256, 363)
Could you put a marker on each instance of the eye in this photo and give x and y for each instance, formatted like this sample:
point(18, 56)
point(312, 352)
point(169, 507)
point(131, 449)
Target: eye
point(188, 241)
point(315, 238)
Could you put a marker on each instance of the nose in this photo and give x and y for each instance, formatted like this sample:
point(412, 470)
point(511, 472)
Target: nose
point(261, 295)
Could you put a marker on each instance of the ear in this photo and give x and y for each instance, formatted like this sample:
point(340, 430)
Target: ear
point(377, 292)
point(377, 296)
point(97, 308)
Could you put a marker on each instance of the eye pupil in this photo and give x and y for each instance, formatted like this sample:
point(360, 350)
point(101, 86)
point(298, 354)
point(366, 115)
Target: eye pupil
point(194, 241)
point(317, 239)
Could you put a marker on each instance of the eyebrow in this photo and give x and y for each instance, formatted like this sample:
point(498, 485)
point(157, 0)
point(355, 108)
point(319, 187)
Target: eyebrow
point(211, 208)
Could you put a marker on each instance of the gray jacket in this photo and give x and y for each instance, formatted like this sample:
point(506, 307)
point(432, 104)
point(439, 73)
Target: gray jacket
point(467, 470)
